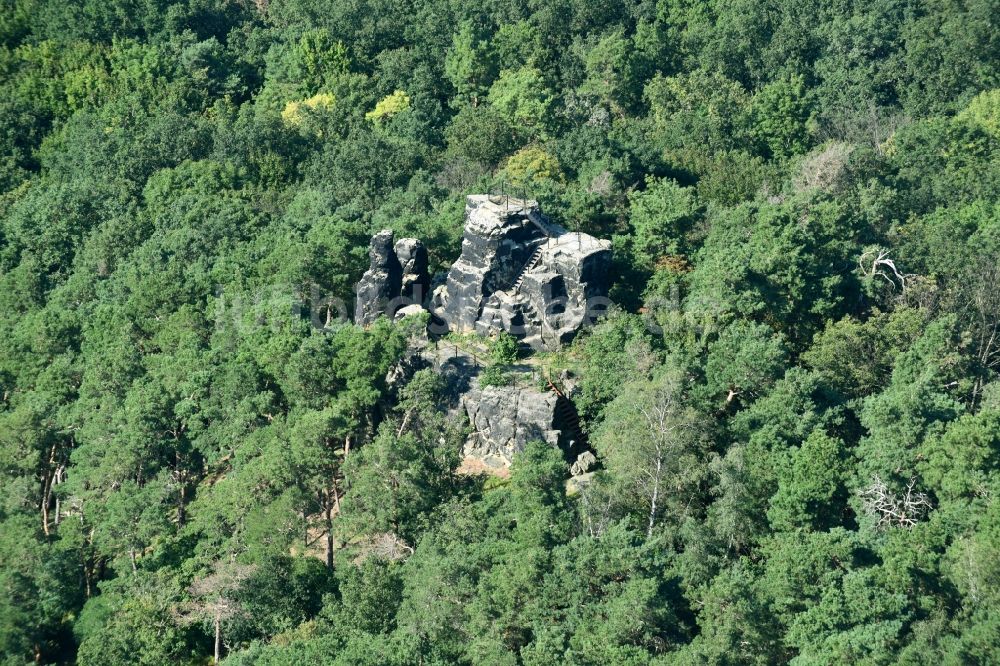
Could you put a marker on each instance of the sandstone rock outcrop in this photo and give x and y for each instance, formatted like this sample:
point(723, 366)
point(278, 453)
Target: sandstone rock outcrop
point(505, 419)
point(502, 419)
point(518, 272)
point(521, 273)
point(584, 463)
point(396, 277)
point(412, 257)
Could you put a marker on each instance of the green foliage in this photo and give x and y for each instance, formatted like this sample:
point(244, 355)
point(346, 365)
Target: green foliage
point(697, 111)
point(614, 72)
point(480, 134)
point(470, 65)
point(743, 362)
point(982, 111)
point(962, 463)
point(532, 167)
point(661, 216)
point(812, 491)
point(503, 349)
point(407, 469)
point(132, 622)
point(919, 399)
point(651, 440)
point(389, 106)
point(616, 350)
point(297, 113)
point(522, 97)
point(802, 200)
point(319, 59)
point(494, 375)
point(370, 596)
point(781, 116)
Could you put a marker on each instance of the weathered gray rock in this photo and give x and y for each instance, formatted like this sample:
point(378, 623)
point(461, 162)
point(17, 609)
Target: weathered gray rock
point(568, 287)
point(396, 278)
point(584, 463)
point(498, 240)
point(409, 311)
point(517, 272)
point(502, 419)
point(520, 273)
point(415, 282)
point(381, 283)
point(505, 419)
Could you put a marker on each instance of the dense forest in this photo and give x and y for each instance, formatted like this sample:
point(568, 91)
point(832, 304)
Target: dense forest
point(795, 402)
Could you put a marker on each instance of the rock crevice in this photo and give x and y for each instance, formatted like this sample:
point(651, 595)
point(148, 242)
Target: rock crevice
point(396, 278)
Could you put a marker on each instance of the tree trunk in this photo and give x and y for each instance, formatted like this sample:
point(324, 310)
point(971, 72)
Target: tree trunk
point(655, 498)
point(46, 493)
point(87, 576)
point(181, 475)
point(331, 506)
point(329, 534)
point(47, 489)
point(181, 499)
point(57, 479)
point(218, 638)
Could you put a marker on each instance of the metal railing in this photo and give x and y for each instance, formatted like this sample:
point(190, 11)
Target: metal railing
point(507, 191)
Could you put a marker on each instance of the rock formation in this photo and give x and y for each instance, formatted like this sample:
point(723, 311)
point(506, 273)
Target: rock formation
point(396, 277)
point(505, 419)
point(584, 463)
point(412, 257)
point(521, 273)
point(517, 272)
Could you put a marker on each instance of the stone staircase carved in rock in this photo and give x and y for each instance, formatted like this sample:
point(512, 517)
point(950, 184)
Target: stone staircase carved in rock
point(567, 414)
point(531, 263)
point(535, 218)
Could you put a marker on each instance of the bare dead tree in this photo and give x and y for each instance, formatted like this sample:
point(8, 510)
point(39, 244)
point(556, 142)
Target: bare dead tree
point(597, 514)
point(872, 124)
point(892, 510)
point(383, 546)
point(213, 598)
point(601, 184)
point(875, 262)
point(823, 170)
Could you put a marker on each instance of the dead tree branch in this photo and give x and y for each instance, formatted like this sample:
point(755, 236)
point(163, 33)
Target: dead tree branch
point(892, 510)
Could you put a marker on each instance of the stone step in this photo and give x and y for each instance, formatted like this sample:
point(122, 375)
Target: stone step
point(537, 220)
point(571, 418)
point(531, 263)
